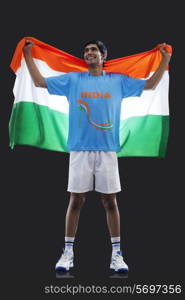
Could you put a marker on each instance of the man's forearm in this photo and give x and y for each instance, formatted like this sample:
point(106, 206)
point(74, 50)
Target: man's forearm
point(153, 81)
point(38, 79)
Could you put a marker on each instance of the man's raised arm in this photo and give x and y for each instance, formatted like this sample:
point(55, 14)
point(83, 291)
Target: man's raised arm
point(36, 76)
point(153, 81)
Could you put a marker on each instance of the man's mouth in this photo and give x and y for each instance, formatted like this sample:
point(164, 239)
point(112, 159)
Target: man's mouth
point(90, 57)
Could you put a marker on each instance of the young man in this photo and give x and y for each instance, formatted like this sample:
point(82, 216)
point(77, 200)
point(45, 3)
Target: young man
point(94, 115)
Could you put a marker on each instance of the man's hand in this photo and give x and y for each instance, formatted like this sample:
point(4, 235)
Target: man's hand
point(28, 46)
point(166, 55)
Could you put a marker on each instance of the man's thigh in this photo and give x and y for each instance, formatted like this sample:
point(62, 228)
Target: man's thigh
point(107, 178)
point(81, 168)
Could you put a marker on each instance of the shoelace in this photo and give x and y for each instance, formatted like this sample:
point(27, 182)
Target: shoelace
point(65, 256)
point(118, 258)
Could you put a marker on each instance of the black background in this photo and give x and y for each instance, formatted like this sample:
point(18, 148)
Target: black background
point(33, 191)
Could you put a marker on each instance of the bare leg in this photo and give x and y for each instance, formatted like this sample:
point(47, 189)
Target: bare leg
point(73, 212)
point(112, 213)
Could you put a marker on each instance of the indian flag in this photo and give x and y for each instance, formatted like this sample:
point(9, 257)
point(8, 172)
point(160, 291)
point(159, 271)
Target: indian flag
point(41, 120)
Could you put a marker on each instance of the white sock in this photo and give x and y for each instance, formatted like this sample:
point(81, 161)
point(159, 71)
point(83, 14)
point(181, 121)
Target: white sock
point(69, 241)
point(115, 245)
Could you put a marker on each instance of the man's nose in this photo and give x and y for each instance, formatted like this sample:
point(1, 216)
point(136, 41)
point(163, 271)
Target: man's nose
point(89, 51)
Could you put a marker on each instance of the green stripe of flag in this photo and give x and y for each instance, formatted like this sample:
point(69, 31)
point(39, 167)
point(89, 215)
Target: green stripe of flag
point(37, 125)
point(144, 136)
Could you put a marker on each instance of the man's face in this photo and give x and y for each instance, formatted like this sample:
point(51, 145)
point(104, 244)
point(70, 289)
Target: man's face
point(92, 55)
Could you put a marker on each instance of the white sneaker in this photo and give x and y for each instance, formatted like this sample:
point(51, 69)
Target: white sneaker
point(65, 262)
point(117, 263)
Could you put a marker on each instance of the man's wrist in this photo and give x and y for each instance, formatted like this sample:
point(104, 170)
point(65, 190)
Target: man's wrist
point(166, 59)
point(27, 52)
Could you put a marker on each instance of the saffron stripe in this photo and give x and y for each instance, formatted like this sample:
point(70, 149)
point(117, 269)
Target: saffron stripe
point(138, 65)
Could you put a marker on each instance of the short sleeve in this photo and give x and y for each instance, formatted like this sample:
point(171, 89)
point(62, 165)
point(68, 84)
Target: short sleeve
point(58, 85)
point(132, 87)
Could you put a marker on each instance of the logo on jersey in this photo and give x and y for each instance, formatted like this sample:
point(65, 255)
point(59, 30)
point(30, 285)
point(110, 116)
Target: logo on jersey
point(84, 106)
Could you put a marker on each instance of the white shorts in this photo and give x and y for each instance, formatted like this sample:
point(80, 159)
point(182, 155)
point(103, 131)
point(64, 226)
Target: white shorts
point(85, 166)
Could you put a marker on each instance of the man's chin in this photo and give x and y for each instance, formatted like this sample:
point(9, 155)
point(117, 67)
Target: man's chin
point(91, 64)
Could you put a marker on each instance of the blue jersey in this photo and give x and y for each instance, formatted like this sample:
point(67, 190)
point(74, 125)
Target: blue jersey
point(94, 107)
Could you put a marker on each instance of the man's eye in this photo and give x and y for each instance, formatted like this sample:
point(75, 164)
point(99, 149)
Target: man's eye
point(92, 49)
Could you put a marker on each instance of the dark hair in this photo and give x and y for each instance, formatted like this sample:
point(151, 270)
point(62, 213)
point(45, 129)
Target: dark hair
point(101, 46)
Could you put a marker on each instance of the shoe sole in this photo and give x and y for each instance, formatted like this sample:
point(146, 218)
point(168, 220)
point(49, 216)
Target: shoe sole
point(119, 270)
point(63, 268)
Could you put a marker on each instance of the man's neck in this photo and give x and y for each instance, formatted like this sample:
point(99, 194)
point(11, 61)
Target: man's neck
point(96, 70)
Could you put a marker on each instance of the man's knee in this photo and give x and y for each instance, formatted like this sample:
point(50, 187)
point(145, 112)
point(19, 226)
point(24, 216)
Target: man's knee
point(109, 201)
point(76, 200)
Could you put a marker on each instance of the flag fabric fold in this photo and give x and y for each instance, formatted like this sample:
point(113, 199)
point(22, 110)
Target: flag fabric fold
point(41, 120)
